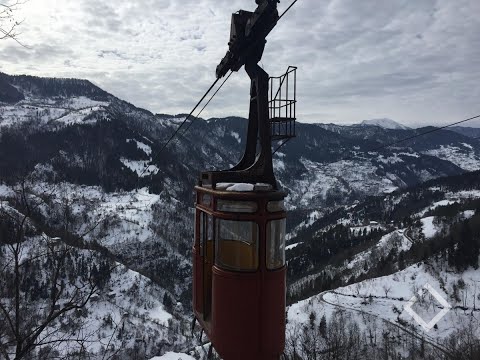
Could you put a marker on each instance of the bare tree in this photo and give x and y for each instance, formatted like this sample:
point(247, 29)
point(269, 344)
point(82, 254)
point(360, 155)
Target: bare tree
point(386, 289)
point(474, 294)
point(38, 296)
point(9, 23)
point(293, 343)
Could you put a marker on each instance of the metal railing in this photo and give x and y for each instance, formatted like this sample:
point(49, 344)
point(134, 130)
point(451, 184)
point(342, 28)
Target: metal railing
point(283, 104)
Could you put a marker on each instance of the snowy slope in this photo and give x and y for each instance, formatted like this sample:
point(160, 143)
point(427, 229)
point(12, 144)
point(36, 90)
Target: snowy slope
point(373, 310)
point(43, 112)
point(402, 286)
point(464, 156)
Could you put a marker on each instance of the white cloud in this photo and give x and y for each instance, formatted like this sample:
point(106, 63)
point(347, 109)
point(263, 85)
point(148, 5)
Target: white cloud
point(415, 62)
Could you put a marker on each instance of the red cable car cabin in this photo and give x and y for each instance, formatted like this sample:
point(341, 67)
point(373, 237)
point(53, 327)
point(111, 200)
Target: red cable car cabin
point(239, 272)
point(239, 251)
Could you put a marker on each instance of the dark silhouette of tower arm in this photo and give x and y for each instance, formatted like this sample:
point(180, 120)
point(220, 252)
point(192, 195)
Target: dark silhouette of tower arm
point(248, 36)
point(247, 42)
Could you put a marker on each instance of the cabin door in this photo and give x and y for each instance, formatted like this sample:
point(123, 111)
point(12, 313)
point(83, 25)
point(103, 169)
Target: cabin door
point(208, 247)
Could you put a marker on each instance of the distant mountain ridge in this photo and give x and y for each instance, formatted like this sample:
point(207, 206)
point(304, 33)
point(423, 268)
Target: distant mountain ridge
point(467, 131)
point(384, 123)
point(54, 110)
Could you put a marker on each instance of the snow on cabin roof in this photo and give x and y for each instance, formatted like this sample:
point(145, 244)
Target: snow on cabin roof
point(173, 356)
point(243, 187)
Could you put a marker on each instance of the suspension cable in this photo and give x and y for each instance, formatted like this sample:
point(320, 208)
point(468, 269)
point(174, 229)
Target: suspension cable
point(208, 102)
point(291, 5)
point(178, 129)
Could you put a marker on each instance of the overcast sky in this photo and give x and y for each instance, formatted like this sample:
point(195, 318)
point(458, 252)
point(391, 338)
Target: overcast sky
point(414, 61)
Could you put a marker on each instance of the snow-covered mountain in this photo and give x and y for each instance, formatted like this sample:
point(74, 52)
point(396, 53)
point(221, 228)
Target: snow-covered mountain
point(90, 155)
point(384, 123)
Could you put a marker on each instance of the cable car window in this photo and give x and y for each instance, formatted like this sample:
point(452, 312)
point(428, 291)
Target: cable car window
point(275, 206)
point(206, 200)
point(237, 245)
point(209, 228)
point(276, 230)
point(237, 206)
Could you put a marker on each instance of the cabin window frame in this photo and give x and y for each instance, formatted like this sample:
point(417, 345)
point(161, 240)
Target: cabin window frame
point(275, 244)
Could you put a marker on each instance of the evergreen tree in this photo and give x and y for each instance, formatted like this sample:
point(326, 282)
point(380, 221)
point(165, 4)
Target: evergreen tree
point(312, 317)
point(323, 327)
point(467, 249)
point(167, 302)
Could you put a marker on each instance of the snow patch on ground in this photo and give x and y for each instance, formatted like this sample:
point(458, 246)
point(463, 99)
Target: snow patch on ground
point(292, 246)
point(138, 166)
point(6, 191)
point(428, 227)
point(144, 147)
point(468, 214)
point(415, 155)
point(236, 136)
point(78, 116)
point(436, 205)
point(278, 164)
point(83, 102)
point(390, 160)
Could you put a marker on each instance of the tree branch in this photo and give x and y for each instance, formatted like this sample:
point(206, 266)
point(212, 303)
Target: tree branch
point(7, 14)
